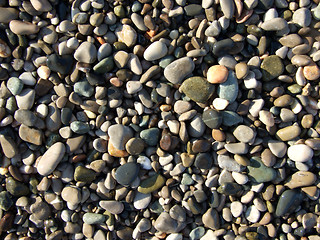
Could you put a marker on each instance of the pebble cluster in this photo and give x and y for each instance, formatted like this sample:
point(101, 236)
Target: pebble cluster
point(159, 119)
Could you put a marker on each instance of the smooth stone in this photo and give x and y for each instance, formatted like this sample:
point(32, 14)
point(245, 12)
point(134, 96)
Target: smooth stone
point(300, 153)
point(237, 148)
point(119, 135)
point(217, 74)
point(93, 218)
point(236, 208)
point(178, 213)
point(203, 161)
point(15, 188)
point(288, 133)
point(53, 119)
point(230, 118)
point(121, 58)
point(301, 179)
point(288, 202)
point(302, 17)
point(211, 219)
point(300, 60)
point(252, 214)
point(86, 53)
point(222, 47)
point(227, 7)
point(151, 184)
point(27, 79)
point(126, 34)
point(197, 233)
point(71, 195)
point(283, 101)
point(213, 30)
point(80, 127)
point(212, 118)
point(112, 206)
point(197, 89)
point(25, 99)
point(279, 149)
point(176, 71)
point(8, 14)
point(134, 64)
point(164, 223)
point(259, 172)
point(135, 146)
point(61, 64)
point(244, 133)
point(83, 174)
point(104, 66)
point(23, 28)
point(141, 200)
point(8, 146)
point(241, 70)
point(228, 163)
point(229, 89)
point(15, 85)
point(186, 179)
point(83, 88)
point(51, 158)
point(127, 173)
point(275, 24)
point(311, 71)
point(271, 67)
point(5, 201)
point(150, 136)
point(229, 188)
point(196, 127)
point(155, 51)
point(192, 9)
point(291, 40)
point(31, 135)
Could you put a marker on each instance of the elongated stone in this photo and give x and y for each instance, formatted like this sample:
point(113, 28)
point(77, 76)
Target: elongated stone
point(151, 184)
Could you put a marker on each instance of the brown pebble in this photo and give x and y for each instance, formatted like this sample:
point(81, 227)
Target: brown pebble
point(217, 74)
point(283, 101)
point(241, 160)
point(218, 135)
point(311, 72)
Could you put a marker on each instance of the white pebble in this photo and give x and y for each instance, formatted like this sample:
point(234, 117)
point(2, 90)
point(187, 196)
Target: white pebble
point(220, 104)
point(144, 162)
point(300, 153)
point(252, 214)
point(236, 208)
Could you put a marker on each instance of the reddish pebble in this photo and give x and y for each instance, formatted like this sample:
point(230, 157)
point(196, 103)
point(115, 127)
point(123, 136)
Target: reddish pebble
point(116, 152)
point(217, 74)
point(116, 82)
point(311, 72)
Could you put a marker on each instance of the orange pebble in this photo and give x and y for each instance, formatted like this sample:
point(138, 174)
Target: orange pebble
point(311, 72)
point(116, 152)
point(217, 74)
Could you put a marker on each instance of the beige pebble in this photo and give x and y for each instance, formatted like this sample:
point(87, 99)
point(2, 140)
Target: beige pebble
point(23, 28)
point(217, 74)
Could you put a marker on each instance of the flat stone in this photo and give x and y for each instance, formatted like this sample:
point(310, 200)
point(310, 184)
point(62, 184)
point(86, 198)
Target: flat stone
point(127, 173)
point(259, 172)
point(300, 153)
point(150, 136)
point(178, 213)
point(302, 17)
point(86, 53)
point(237, 148)
point(197, 89)
point(244, 134)
point(135, 146)
point(151, 184)
point(14, 85)
point(83, 174)
point(9, 146)
point(31, 135)
point(301, 179)
point(41, 5)
point(275, 24)
point(229, 188)
point(155, 51)
point(241, 70)
point(288, 133)
point(271, 67)
point(104, 65)
point(217, 74)
point(25, 99)
point(164, 223)
point(230, 118)
point(15, 188)
point(228, 163)
point(71, 195)
point(8, 14)
point(176, 71)
point(51, 158)
point(93, 218)
point(80, 127)
point(288, 202)
point(252, 214)
point(23, 28)
point(291, 40)
point(141, 200)
point(279, 149)
point(112, 206)
point(203, 161)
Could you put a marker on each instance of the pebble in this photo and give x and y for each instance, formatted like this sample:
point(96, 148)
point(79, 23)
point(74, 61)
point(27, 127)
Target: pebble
point(51, 158)
point(119, 135)
point(301, 179)
point(176, 71)
point(112, 206)
point(252, 214)
point(8, 14)
point(71, 195)
point(217, 74)
point(275, 24)
point(93, 218)
point(311, 72)
point(259, 172)
point(155, 51)
point(302, 17)
point(236, 208)
point(271, 67)
point(229, 89)
point(300, 153)
point(25, 99)
point(150, 136)
point(5, 201)
point(83, 174)
point(288, 202)
point(126, 34)
point(227, 7)
point(86, 53)
point(164, 223)
point(196, 127)
point(151, 184)
point(244, 133)
point(197, 89)
point(288, 133)
point(15, 188)
point(141, 201)
point(212, 118)
point(23, 28)
point(127, 173)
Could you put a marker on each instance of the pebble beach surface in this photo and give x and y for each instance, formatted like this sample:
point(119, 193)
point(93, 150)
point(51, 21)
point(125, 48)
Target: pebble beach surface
point(159, 119)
